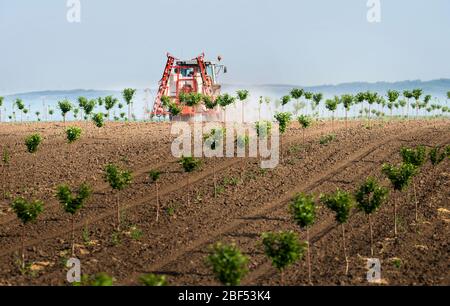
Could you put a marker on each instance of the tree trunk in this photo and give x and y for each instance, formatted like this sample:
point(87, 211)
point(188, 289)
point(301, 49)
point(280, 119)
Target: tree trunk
point(281, 149)
point(395, 218)
point(345, 249)
point(157, 203)
point(371, 236)
point(214, 179)
point(309, 256)
point(118, 211)
point(407, 109)
point(224, 115)
point(303, 136)
point(23, 246)
point(73, 235)
point(132, 105)
point(346, 124)
point(243, 112)
point(415, 201)
point(188, 191)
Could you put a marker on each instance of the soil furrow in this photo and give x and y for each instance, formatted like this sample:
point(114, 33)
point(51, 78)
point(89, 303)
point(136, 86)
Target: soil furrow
point(265, 267)
point(177, 244)
point(268, 207)
point(194, 178)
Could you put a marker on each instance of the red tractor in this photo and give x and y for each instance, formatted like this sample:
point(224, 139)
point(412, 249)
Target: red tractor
point(187, 76)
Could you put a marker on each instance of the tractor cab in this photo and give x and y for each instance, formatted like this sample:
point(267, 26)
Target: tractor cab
point(188, 76)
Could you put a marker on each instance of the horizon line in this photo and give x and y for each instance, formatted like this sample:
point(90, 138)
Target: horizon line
point(241, 84)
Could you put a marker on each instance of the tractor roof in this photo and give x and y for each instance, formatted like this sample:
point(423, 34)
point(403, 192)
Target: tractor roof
point(191, 63)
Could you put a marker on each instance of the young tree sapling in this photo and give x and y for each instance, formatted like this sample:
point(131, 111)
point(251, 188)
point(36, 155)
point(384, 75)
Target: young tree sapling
point(436, 156)
point(331, 105)
point(347, 101)
point(118, 179)
point(174, 109)
point(98, 120)
point(305, 122)
point(26, 211)
point(128, 94)
point(98, 280)
point(213, 141)
point(303, 211)
point(110, 102)
point(73, 133)
point(283, 249)
point(369, 197)
point(283, 122)
point(72, 203)
point(284, 101)
point(189, 165)
point(223, 101)
point(242, 96)
point(229, 265)
point(400, 177)
point(416, 157)
point(263, 128)
point(32, 143)
point(153, 280)
point(65, 106)
point(154, 176)
point(82, 102)
point(341, 202)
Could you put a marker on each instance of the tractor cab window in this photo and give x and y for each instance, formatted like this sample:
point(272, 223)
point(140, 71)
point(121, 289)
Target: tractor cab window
point(209, 70)
point(187, 72)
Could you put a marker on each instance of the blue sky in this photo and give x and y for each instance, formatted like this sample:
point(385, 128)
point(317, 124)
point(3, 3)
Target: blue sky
point(301, 42)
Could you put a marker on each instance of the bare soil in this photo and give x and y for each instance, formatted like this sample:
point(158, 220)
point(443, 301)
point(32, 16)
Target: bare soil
point(250, 201)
